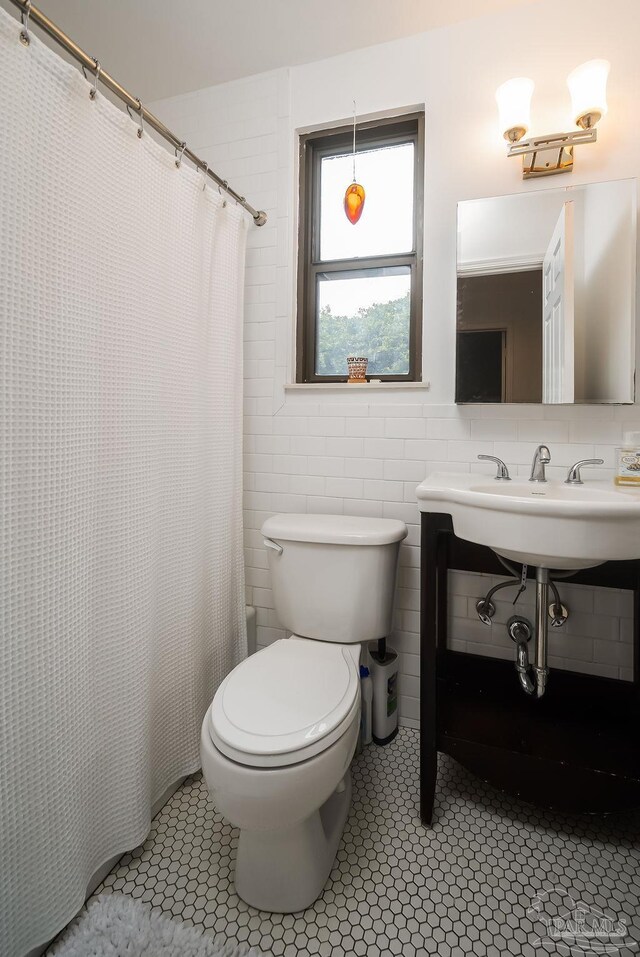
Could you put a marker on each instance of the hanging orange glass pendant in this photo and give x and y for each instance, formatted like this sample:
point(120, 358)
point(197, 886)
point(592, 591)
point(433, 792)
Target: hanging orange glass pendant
point(354, 202)
point(355, 195)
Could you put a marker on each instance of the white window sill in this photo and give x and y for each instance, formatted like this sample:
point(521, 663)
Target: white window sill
point(365, 388)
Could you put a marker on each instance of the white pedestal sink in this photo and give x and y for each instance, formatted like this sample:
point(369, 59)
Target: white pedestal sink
point(550, 524)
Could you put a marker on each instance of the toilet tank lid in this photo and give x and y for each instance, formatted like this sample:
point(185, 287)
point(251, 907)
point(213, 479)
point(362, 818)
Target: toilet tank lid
point(334, 529)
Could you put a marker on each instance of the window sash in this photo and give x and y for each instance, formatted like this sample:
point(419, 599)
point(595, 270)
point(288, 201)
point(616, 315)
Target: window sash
point(323, 153)
point(313, 148)
point(358, 268)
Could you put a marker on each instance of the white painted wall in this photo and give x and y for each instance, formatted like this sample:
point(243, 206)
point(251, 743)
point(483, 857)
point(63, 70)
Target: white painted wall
point(363, 453)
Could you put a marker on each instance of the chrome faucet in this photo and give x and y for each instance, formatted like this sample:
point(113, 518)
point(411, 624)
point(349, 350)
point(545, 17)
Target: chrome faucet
point(541, 458)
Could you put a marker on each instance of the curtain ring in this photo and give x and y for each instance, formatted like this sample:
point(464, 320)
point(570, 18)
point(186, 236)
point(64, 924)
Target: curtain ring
point(206, 175)
point(140, 116)
point(180, 154)
point(98, 70)
point(25, 36)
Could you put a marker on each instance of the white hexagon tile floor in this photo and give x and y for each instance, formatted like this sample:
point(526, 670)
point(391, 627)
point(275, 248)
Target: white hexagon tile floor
point(463, 887)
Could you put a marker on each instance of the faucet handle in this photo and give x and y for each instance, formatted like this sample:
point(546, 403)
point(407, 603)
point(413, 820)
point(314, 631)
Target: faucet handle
point(573, 478)
point(503, 471)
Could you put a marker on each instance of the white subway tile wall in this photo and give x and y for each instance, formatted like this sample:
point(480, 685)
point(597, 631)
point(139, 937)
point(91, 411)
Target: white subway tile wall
point(363, 455)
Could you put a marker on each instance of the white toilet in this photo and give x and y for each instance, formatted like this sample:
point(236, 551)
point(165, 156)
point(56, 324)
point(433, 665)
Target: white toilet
point(279, 736)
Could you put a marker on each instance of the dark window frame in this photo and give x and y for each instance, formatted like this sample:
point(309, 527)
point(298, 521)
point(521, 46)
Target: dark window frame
point(313, 147)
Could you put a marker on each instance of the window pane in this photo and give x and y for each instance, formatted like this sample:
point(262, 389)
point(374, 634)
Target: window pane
point(386, 224)
point(364, 313)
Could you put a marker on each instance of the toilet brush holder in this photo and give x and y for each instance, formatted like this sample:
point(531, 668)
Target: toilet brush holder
point(384, 675)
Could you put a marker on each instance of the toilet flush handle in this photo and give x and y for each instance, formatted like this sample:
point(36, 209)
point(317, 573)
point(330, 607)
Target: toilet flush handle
point(274, 545)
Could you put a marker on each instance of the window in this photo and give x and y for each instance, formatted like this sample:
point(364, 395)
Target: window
point(360, 287)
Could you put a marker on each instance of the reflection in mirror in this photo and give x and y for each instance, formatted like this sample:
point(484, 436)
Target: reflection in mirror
point(546, 296)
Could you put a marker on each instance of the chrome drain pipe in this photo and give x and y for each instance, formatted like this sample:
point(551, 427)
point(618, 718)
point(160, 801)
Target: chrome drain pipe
point(522, 667)
point(542, 604)
point(534, 684)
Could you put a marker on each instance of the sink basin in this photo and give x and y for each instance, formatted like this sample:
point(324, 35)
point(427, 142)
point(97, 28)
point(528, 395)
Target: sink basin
point(552, 525)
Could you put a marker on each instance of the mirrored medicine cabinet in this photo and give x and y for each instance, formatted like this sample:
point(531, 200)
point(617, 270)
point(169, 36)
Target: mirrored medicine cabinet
point(546, 296)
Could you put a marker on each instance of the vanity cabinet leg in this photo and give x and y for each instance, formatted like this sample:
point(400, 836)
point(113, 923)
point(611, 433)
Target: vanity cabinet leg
point(433, 610)
point(428, 775)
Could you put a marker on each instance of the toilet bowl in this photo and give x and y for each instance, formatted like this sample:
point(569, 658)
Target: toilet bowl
point(276, 749)
point(279, 736)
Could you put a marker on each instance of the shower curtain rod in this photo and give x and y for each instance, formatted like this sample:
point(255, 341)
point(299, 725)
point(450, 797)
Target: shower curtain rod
point(29, 12)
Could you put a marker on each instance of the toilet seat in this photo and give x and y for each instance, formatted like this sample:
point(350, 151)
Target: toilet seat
point(286, 703)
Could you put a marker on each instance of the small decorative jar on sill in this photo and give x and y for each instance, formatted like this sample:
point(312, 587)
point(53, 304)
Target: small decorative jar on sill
point(357, 366)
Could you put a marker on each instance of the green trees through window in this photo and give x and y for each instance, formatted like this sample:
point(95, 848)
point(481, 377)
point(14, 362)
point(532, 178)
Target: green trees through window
point(379, 331)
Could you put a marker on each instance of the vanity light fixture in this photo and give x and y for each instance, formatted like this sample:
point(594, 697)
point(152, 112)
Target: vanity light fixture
point(545, 155)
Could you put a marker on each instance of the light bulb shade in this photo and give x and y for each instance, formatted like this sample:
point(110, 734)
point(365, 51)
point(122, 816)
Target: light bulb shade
point(514, 107)
point(588, 87)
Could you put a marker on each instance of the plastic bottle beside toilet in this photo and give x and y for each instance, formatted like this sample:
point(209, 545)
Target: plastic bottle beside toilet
point(384, 674)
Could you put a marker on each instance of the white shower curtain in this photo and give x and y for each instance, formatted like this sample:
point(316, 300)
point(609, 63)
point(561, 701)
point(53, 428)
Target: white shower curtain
point(122, 593)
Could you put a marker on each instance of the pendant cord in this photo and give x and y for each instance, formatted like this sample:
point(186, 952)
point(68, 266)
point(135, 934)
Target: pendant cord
point(354, 141)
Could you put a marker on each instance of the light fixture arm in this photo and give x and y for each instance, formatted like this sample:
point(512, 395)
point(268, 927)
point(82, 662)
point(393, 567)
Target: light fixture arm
point(545, 155)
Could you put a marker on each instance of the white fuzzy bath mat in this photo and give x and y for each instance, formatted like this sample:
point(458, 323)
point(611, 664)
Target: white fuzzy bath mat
point(113, 925)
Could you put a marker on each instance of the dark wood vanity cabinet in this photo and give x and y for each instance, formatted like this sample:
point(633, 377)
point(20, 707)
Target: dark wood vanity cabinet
point(577, 748)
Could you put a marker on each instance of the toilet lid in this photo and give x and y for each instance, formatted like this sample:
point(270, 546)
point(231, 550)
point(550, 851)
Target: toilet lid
point(284, 699)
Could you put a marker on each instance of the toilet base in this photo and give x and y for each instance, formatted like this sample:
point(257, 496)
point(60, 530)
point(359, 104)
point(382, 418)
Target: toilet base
point(284, 871)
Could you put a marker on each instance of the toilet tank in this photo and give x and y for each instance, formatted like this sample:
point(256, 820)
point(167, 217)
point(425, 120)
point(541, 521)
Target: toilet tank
point(334, 576)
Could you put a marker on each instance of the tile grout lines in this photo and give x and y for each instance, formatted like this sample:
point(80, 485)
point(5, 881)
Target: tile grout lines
point(397, 888)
